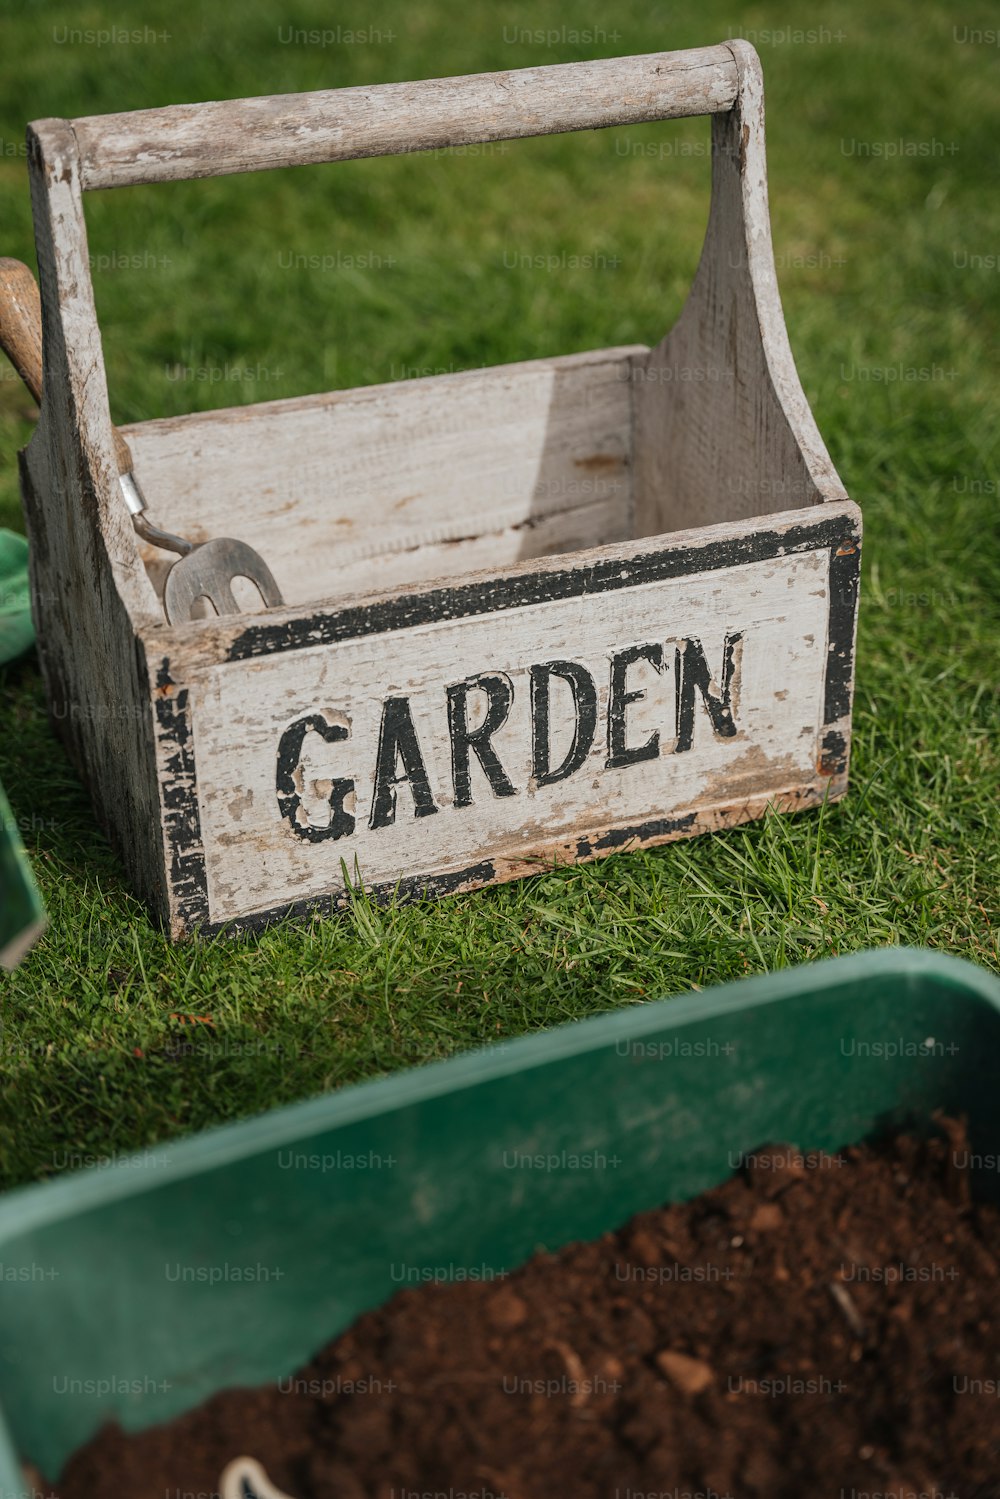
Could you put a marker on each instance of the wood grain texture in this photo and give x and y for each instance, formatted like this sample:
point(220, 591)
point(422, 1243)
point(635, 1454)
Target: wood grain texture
point(723, 429)
point(247, 135)
point(90, 592)
point(21, 323)
point(399, 483)
point(246, 684)
point(257, 859)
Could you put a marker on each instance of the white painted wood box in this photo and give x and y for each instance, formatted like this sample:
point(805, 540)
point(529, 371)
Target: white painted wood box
point(538, 612)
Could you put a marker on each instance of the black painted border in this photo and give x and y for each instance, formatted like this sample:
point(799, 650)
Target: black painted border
point(187, 873)
point(186, 876)
point(466, 600)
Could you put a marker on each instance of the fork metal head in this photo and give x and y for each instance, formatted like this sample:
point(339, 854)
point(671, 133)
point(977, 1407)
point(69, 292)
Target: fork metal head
point(207, 571)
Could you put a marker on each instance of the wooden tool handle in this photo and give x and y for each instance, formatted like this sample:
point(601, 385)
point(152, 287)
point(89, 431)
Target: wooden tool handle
point(21, 323)
point(21, 338)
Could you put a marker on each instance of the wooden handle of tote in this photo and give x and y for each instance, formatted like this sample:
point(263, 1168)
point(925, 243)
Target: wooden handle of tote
point(185, 141)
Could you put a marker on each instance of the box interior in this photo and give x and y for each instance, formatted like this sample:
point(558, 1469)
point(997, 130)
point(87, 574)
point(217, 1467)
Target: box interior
point(384, 486)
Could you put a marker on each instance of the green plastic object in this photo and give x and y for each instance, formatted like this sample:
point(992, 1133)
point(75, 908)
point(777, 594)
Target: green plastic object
point(22, 915)
point(17, 633)
point(138, 1289)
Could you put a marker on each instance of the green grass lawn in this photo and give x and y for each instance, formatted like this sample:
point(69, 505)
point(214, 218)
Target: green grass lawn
point(888, 262)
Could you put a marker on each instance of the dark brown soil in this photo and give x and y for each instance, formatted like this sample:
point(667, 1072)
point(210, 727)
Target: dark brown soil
point(810, 1328)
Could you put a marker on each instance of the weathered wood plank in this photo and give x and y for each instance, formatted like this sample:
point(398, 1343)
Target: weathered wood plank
point(722, 423)
point(420, 799)
point(408, 481)
point(750, 609)
point(90, 592)
point(281, 130)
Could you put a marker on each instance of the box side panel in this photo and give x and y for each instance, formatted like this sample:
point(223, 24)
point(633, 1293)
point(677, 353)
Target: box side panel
point(93, 665)
point(90, 593)
point(723, 428)
point(451, 739)
point(367, 750)
point(235, 1274)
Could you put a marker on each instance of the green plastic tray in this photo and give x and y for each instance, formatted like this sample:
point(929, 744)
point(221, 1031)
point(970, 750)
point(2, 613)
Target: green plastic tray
point(138, 1289)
